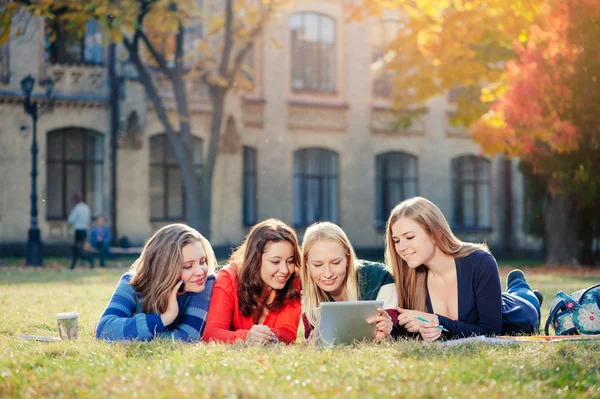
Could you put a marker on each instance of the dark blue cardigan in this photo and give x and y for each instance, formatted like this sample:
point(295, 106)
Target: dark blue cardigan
point(482, 305)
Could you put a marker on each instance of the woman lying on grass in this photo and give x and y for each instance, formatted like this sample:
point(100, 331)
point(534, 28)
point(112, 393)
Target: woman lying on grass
point(450, 283)
point(257, 296)
point(330, 272)
point(166, 292)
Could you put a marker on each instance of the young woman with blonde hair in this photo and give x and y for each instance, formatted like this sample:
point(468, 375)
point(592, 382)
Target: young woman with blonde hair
point(331, 271)
point(257, 296)
point(450, 283)
point(166, 292)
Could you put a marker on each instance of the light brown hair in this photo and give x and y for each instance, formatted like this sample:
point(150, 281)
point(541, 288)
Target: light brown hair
point(158, 268)
point(411, 284)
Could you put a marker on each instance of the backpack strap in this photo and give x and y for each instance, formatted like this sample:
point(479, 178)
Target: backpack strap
point(552, 316)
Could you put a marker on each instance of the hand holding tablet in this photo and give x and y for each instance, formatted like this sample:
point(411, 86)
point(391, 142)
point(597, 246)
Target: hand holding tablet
point(383, 324)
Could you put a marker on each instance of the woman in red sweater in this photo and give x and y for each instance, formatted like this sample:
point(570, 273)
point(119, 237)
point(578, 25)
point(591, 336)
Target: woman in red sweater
point(256, 298)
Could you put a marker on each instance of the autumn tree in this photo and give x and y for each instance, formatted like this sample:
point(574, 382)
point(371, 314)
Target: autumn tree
point(545, 54)
point(153, 32)
point(450, 44)
point(550, 118)
point(451, 47)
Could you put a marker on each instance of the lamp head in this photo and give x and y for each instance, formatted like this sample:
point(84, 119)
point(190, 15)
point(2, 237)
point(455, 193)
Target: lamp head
point(27, 85)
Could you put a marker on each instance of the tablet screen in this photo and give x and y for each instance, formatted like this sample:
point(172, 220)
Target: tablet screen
point(346, 322)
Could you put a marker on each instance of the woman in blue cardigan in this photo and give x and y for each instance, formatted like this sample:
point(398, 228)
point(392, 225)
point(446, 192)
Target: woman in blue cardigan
point(443, 282)
point(167, 291)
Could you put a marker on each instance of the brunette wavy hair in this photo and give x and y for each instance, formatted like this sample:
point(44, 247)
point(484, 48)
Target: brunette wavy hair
point(247, 258)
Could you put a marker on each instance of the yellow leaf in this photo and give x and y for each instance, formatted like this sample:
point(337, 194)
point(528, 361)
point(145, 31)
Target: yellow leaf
point(117, 36)
point(276, 43)
point(5, 34)
point(523, 36)
point(218, 80)
point(486, 95)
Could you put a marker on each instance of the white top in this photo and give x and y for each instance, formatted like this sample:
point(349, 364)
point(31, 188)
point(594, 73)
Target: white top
point(387, 293)
point(81, 216)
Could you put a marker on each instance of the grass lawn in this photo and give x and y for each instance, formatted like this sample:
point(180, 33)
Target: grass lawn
point(30, 298)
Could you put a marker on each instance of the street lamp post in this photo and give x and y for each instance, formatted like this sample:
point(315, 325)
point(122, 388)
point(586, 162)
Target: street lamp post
point(34, 255)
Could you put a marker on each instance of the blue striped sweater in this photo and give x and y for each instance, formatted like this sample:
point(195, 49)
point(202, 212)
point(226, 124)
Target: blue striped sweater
point(123, 319)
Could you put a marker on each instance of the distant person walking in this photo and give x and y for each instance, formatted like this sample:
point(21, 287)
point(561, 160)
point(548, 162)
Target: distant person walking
point(100, 238)
point(80, 217)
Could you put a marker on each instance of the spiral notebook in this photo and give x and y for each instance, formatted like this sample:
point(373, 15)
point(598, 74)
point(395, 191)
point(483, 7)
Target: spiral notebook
point(507, 339)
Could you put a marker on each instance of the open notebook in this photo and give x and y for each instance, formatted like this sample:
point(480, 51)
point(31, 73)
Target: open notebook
point(506, 339)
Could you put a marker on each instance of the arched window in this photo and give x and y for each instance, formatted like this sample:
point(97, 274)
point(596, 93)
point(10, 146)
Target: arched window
point(313, 52)
point(316, 191)
point(471, 192)
point(75, 164)
point(167, 201)
point(396, 180)
point(382, 34)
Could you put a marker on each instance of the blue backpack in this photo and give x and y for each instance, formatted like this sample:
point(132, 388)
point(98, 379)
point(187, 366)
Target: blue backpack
point(578, 313)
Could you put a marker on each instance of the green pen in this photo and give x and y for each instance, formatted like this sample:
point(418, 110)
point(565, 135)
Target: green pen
point(427, 321)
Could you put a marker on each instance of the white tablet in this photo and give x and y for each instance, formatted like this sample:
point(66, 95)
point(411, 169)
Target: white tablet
point(346, 322)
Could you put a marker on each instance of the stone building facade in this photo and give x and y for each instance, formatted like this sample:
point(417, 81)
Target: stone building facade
point(314, 140)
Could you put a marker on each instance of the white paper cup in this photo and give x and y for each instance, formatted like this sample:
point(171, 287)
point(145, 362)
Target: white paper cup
point(67, 325)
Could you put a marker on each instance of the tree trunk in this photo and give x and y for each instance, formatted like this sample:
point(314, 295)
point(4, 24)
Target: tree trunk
point(192, 183)
point(217, 99)
point(562, 227)
point(193, 207)
point(180, 142)
point(507, 234)
point(205, 209)
point(587, 236)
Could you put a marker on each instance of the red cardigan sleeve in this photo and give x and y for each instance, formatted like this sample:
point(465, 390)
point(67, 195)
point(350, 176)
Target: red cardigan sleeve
point(222, 310)
point(288, 320)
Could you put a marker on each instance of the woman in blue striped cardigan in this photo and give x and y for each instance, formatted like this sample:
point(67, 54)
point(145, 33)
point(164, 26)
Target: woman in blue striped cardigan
point(167, 291)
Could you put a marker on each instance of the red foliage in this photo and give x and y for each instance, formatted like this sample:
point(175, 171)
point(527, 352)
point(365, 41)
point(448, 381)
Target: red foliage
point(537, 116)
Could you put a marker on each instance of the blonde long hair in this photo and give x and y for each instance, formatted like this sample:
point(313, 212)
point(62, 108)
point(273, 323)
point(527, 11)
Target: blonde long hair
point(158, 268)
point(312, 295)
point(411, 284)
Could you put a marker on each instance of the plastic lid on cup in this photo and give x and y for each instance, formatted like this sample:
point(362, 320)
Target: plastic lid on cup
point(66, 315)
